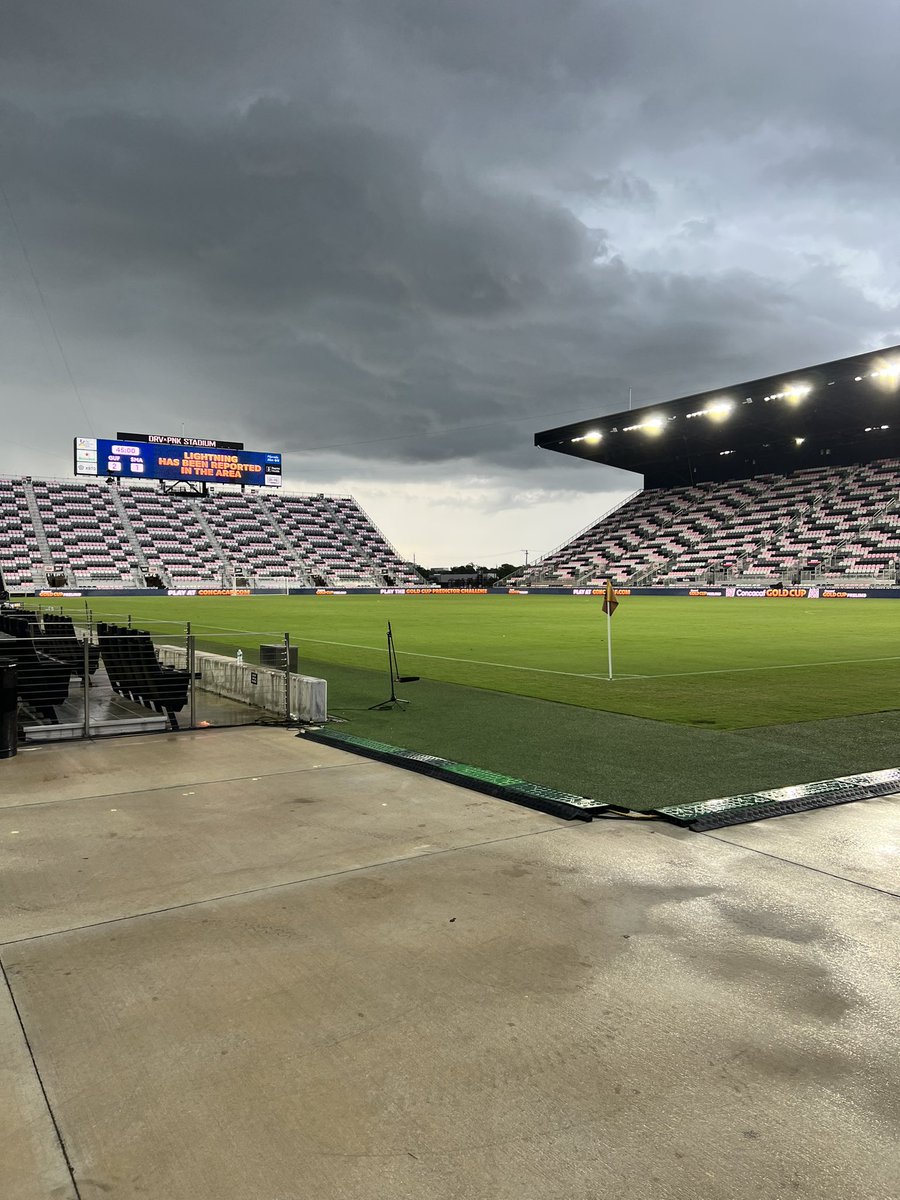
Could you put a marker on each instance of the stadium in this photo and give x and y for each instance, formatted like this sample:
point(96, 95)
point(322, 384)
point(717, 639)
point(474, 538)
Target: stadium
point(508, 787)
point(349, 850)
point(755, 574)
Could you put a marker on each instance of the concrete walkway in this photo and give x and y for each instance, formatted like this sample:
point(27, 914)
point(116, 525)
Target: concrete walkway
point(241, 967)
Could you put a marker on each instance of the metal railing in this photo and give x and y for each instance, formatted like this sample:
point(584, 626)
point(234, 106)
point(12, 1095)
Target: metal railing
point(82, 676)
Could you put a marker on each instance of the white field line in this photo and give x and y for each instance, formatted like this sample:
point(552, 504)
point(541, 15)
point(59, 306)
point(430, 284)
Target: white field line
point(831, 662)
point(479, 662)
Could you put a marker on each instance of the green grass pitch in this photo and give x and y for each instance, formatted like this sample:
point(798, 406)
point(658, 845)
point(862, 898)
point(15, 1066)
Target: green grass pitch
point(721, 664)
point(709, 696)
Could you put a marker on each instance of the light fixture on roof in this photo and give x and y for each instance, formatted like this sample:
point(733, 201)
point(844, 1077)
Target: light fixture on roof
point(653, 424)
point(718, 410)
point(794, 393)
point(592, 437)
point(799, 441)
point(889, 374)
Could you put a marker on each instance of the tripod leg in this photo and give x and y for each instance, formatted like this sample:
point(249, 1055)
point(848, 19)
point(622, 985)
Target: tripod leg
point(392, 650)
point(394, 699)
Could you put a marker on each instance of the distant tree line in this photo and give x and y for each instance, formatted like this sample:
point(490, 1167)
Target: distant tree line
point(468, 574)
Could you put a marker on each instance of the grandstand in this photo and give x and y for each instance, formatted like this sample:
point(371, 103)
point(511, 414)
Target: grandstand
point(820, 525)
point(103, 535)
point(788, 480)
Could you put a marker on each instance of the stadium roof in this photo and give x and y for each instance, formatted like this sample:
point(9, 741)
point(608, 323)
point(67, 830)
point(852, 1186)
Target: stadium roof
point(834, 414)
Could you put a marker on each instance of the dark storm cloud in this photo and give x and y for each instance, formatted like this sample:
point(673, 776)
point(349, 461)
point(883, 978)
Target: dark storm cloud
point(422, 231)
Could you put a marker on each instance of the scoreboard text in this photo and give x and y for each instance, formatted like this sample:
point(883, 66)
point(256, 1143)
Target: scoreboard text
point(190, 464)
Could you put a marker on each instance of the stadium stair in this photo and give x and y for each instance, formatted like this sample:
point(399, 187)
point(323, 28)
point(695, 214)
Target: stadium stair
point(140, 557)
point(39, 531)
point(294, 563)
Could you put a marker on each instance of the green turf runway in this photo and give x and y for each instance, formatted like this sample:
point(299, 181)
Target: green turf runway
point(731, 695)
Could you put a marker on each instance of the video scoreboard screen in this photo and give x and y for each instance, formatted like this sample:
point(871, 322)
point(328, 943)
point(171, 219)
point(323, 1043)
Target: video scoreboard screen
point(176, 460)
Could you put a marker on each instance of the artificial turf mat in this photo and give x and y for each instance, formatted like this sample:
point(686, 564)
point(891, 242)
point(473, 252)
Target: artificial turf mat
point(615, 759)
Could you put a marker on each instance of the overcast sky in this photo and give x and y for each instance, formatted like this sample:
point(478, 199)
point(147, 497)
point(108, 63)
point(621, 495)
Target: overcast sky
point(394, 238)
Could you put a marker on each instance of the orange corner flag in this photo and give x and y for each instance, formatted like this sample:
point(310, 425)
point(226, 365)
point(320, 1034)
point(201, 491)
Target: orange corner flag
point(610, 603)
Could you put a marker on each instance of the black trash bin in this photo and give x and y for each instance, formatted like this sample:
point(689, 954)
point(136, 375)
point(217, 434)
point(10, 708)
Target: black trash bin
point(9, 705)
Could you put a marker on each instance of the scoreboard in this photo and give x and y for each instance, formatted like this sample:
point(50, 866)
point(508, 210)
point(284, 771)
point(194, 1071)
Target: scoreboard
point(134, 459)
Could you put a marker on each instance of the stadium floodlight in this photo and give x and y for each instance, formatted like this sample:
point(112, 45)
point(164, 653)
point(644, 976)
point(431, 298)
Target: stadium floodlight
point(652, 425)
point(799, 441)
point(793, 394)
point(718, 410)
point(592, 437)
point(888, 374)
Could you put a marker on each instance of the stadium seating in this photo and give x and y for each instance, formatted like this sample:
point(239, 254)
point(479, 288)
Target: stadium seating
point(85, 533)
point(249, 542)
point(823, 523)
point(43, 676)
point(826, 524)
point(135, 671)
point(339, 542)
point(169, 536)
point(99, 535)
point(21, 561)
point(61, 641)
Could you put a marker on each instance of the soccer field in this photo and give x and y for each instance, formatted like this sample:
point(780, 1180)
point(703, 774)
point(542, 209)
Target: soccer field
point(702, 662)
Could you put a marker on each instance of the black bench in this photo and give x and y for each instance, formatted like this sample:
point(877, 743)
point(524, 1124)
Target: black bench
point(43, 681)
point(61, 641)
point(134, 671)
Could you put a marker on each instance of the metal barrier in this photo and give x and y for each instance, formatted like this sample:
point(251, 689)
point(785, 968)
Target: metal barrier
point(9, 700)
point(92, 678)
point(53, 670)
point(233, 687)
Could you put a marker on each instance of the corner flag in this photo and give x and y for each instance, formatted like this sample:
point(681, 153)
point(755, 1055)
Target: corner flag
point(610, 603)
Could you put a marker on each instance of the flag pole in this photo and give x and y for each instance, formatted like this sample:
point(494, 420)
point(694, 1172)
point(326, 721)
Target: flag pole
point(609, 640)
point(610, 603)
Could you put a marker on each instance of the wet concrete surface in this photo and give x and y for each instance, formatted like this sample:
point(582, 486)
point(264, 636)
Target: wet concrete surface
point(349, 981)
point(855, 841)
